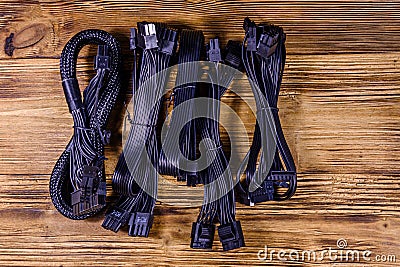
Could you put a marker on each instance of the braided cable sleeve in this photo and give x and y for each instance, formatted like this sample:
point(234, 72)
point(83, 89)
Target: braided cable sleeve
point(86, 147)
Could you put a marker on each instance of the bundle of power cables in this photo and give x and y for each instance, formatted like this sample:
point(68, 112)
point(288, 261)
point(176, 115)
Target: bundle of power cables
point(135, 178)
point(219, 200)
point(264, 57)
point(189, 146)
point(178, 147)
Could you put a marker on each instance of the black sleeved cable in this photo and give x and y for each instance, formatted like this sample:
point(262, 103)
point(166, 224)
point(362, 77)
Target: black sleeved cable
point(219, 199)
point(190, 45)
point(264, 61)
point(136, 183)
point(77, 183)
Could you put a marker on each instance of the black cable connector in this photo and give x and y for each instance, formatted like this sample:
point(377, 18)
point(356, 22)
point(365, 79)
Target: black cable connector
point(268, 42)
point(191, 180)
point(133, 39)
point(264, 192)
point(102, 59)
point(231, 235)
point(92, 192)
point(147, 38)
point(140, 224)
point(202, 235)
point(213, 51)
point(233, 55)
point(167, 40)
point(116, 219)
point(251, 31)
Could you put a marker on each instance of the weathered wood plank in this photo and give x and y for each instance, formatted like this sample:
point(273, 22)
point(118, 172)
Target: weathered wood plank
point(34, 234)
point(313, 27)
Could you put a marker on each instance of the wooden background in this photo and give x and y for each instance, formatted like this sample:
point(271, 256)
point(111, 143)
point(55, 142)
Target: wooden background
point(339, 108)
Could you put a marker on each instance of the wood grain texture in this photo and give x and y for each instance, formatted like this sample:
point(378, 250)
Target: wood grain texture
point(339, 107)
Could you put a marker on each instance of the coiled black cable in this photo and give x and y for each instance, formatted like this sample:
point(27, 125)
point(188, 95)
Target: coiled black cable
point(264, 61)
point(135, 179)
point(78, 175)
